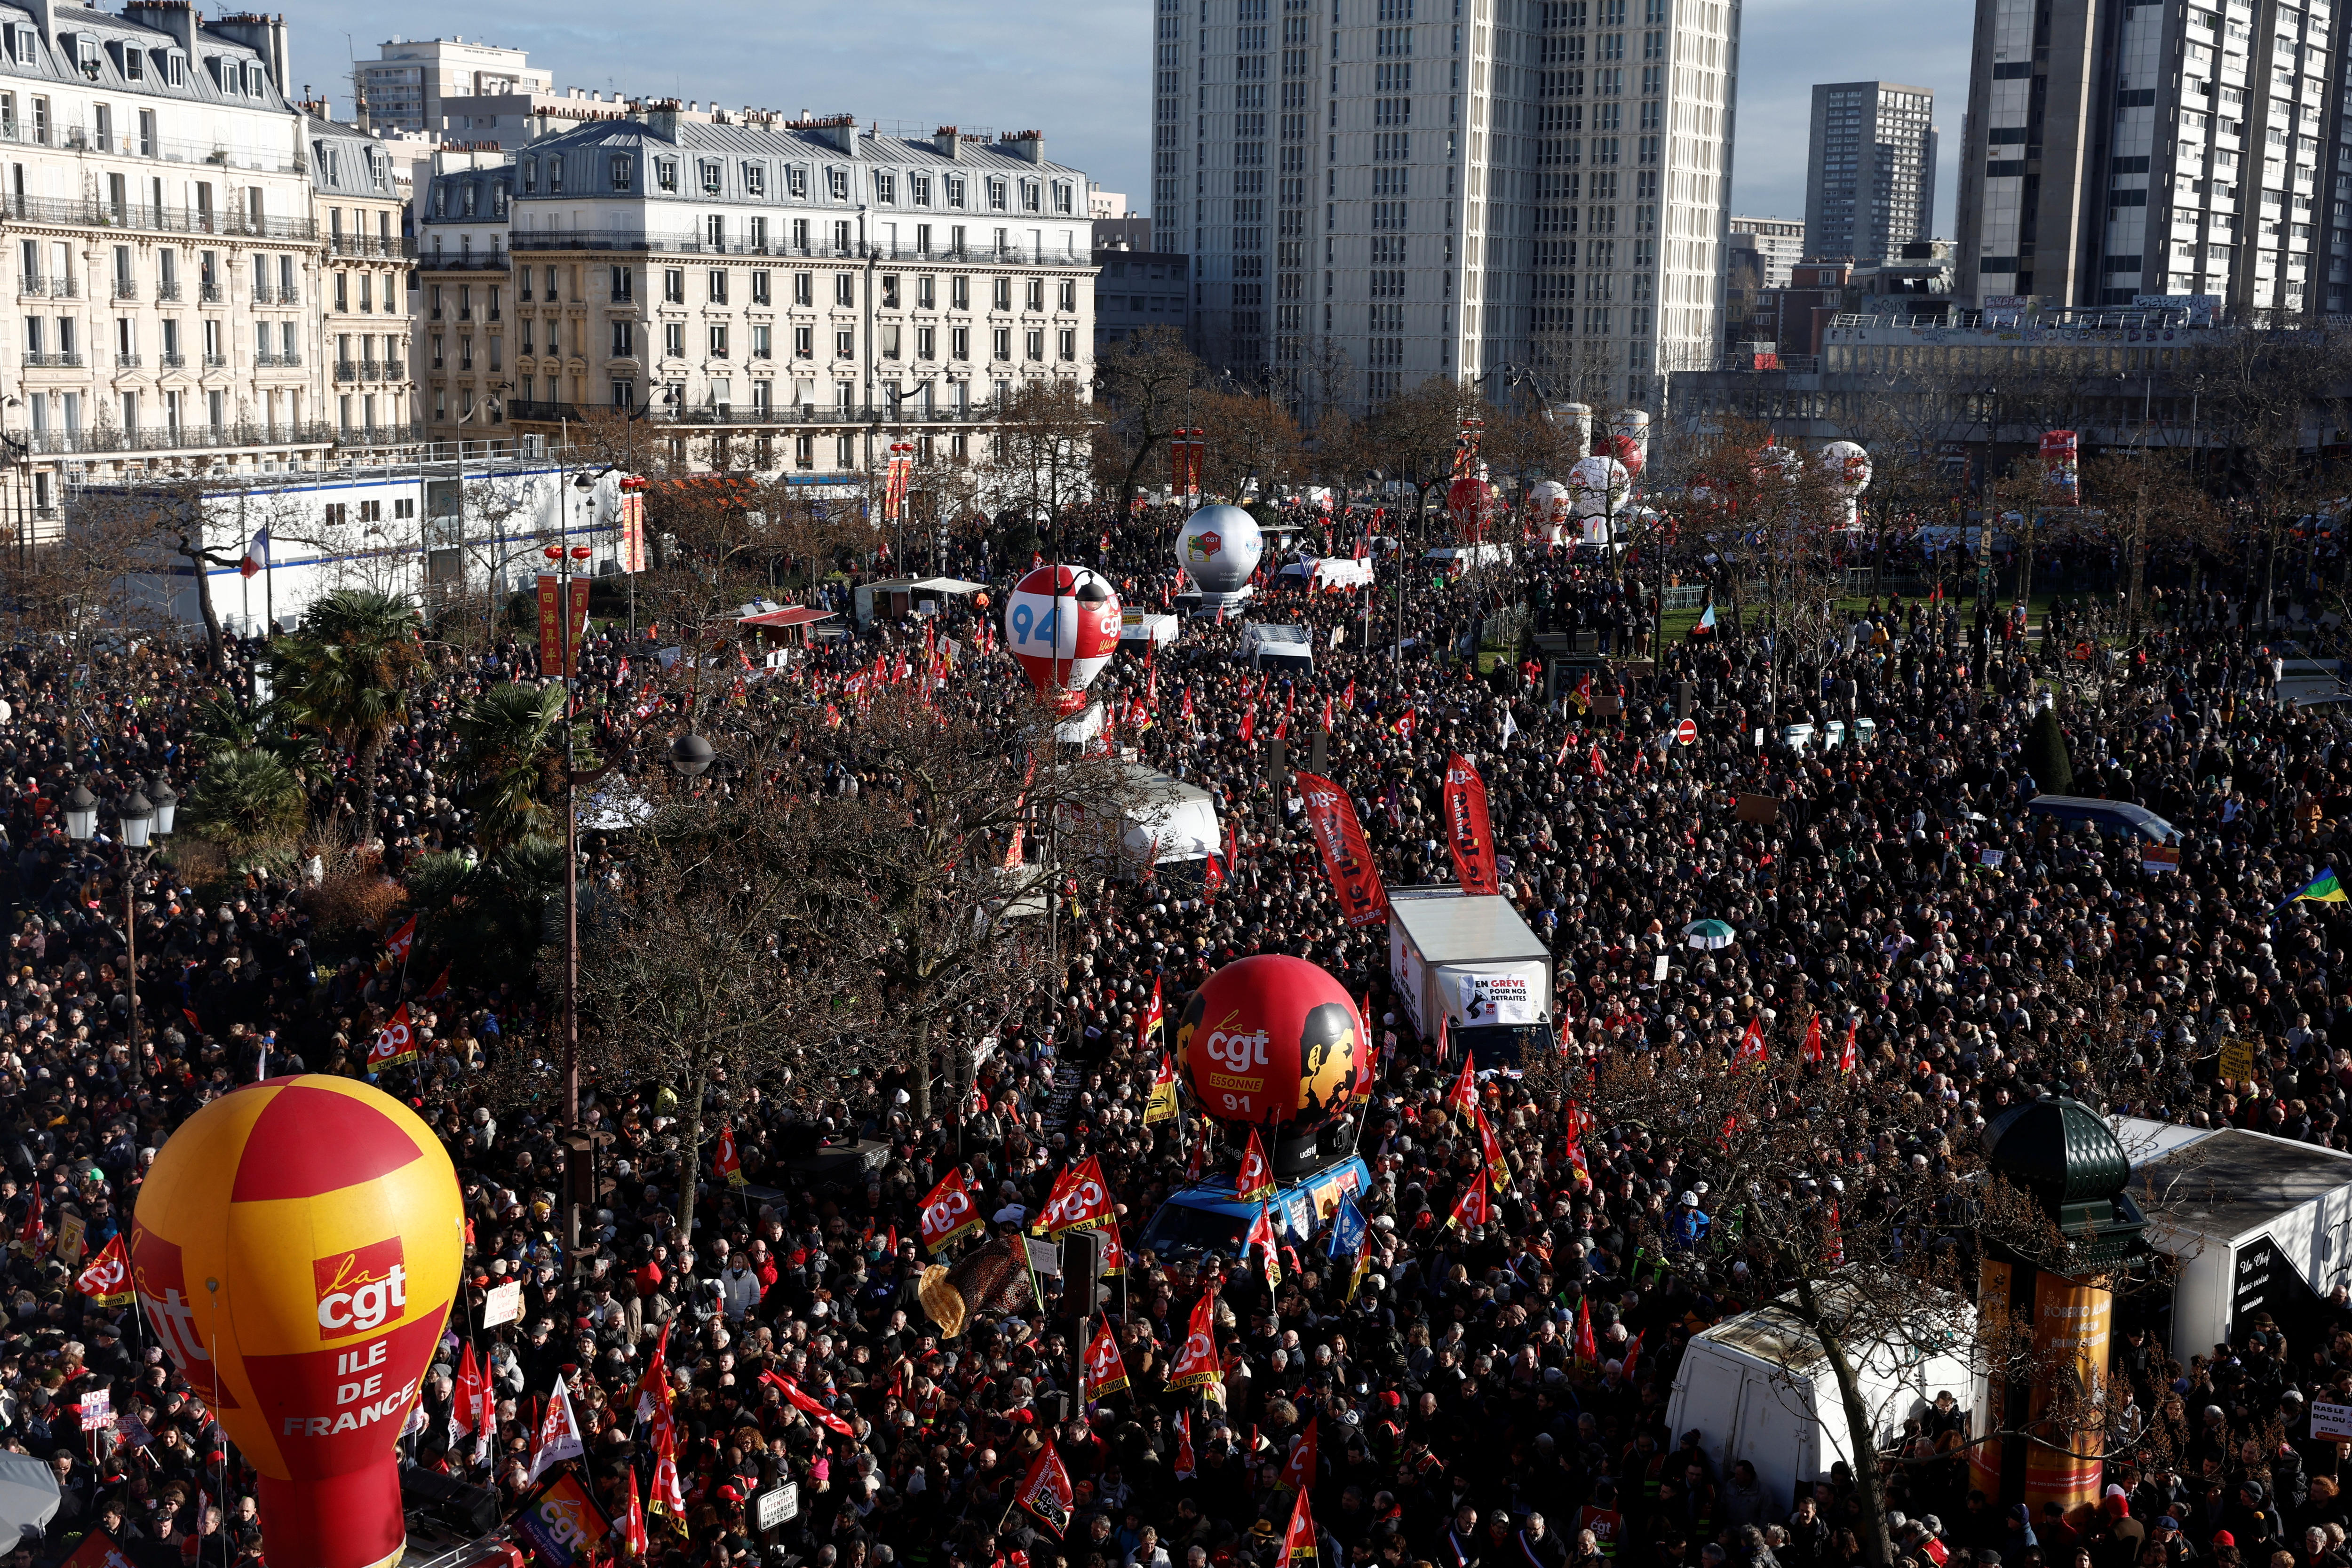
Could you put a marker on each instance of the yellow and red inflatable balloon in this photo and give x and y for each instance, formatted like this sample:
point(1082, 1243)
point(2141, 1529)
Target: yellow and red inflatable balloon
point(295, 1249)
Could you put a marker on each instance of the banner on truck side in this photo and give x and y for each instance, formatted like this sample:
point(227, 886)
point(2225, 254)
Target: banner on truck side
point(1496, 999)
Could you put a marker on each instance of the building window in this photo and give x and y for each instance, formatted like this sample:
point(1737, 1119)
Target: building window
point(886, 187)
point(1001, 343)
point(845, 344)
point(623, 171)
point(953, 185)
point(837, 182)
point(673, 285)
point(803, 343)
point(755, 179)
point(709, 170)
point(719, 340)
point(666, 174)
point(717, 286)
point(1069, 343)
point(796, 180)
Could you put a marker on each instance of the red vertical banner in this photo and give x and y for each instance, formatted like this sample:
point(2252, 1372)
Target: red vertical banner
point(551, 628)
point(1347, 853)
point(550, 624)
point(1469, 832)
point(633, 531)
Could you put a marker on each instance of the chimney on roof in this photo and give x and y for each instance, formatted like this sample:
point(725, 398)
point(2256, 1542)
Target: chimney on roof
point(946, 142)
point(1026, 144)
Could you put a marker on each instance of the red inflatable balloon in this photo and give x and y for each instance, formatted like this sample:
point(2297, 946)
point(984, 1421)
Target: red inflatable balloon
point(1274, 1041)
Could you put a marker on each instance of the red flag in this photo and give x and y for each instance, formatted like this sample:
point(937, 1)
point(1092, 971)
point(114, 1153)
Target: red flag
point(402, 940)
point(1632, 1350)
point(1599, 764)
point(1751, 1044)
point(651, 1396)
point(1185, 710)
point(1490, 1149)
point(1256, 1179)
point(1184, 1466)
point(1081, 1200)
point(1469, 833)
point(1462, 1100)
point(1327, 711)
point(1474, 1207)
point(1249, 726)
point(1846, 1052)
point(724, 1161)
point(808, 1405)
point(632, 1520)
point(1045, 1490)
point(1588, 1350)
point(1300, 1471)
point(1404, 724)
point(467, 1395)
point(107, 1280)
point(1196, 1364)
point(1162, 1104)
point(1298, 1538)
point(948, 1212)
point(1833, 1238)
point(29, 1233)
point(98, 1551)
point(1212, 876)
point(1812, 1047)
point(1261, 1237)
point(1155, 1018)
point(1105, 1371)
point(395, 1043)
point(669, 1492)
point(1347, 853)
point(440, 987)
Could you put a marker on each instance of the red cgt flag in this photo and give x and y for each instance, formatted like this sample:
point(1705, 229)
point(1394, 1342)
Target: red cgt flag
point(1474, 1209)
point(808, 1405)
point(1106, 1370)
point(948, 1212)
point(1298, 1538)
point(1045, 1490)
point(1255, 1181)
point(395, 1043)
point(1347, 853)
point(1469, 832)
point(107, 1280)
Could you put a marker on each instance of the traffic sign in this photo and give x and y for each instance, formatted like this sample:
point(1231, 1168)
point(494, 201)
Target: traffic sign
point(1686, 733)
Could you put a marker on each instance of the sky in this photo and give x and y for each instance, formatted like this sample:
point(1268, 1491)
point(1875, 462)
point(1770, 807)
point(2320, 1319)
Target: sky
point(1079, 69)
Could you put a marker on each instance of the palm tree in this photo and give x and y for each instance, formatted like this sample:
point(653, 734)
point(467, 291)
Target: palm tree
point(346, 673)
point(512, 749)
point(249, 802)
point(218, 726)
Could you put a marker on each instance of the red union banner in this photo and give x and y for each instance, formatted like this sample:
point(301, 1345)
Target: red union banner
point(948, 1212)
point(1347, 853)
point(1469, 834)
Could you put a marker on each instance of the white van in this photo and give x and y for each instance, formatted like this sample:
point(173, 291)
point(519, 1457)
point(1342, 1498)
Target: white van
point(1267, 647)
point(1758, 1387)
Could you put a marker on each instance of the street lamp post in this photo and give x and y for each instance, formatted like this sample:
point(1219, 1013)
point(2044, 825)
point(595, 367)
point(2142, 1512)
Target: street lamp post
point(566, 557)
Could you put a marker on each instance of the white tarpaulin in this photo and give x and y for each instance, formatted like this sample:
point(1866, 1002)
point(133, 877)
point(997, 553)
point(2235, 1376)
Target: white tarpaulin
point(1496, 999)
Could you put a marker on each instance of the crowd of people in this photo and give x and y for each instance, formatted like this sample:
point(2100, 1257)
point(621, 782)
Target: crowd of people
point(1439, 1413)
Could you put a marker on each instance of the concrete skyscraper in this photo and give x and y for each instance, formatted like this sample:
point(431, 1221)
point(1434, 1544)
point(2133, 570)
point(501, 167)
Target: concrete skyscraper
point(1375, 192)
point(2176, 147)
point(1870, 170)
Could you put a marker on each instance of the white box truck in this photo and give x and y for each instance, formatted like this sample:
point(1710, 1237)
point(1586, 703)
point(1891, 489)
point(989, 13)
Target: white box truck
point(1757, 1388)
point(1472, 960)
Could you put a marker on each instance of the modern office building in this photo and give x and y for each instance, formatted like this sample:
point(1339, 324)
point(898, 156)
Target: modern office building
point(412, 83)
point(1376, 192)
point(2114, 152)
point(1779, 244)
point(1870, 171)
point(1136, 290)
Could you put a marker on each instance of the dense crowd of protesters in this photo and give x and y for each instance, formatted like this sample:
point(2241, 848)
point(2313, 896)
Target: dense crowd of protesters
point(1902, 886)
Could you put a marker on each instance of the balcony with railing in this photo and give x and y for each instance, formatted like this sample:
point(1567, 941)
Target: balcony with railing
point(749, 416)
point(170, 362)
point(127, 361)
point(395, 370)
point(65, 288)
point(126, 289)
point(216, 362)
point(179, 437)
point(980, 251)
point(53, 361)
point(397, 247)
point(277, 360)
point(210, 293)
point(169, 291)
point(162, 149)
point(98, 213)
point(347, 370)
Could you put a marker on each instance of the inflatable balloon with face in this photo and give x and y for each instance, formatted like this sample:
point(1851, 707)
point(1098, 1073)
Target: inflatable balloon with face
point(1273, 1042)
point(294, 1250)
point(1220, 547)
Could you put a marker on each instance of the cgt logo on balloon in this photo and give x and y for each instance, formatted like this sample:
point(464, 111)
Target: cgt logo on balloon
point(361, 1290)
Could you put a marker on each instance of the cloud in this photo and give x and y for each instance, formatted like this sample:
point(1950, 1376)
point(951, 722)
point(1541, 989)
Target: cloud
point(1787, 46)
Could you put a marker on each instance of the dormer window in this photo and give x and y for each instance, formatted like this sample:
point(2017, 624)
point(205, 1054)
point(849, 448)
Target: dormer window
point(175, 70)
point(530, 176)
point(796, 181)
point(134, 63)
point(996, 196)
point(708, 171)
point(1029, 195)
point(255, 85)
point(886, 187)
point(755, 179)
point(955, 184)
point(665, 175)
point(499, 199)
point(555, 176)
point(919, 189)
point(624, 170)
point(440, 201)
point(837, 182)
point(1062, 196)
point(468, 199)
point(24, 45)
point(86, 56)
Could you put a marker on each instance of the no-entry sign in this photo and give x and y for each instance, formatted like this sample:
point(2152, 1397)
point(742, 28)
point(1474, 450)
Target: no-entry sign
point(1686, 733)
